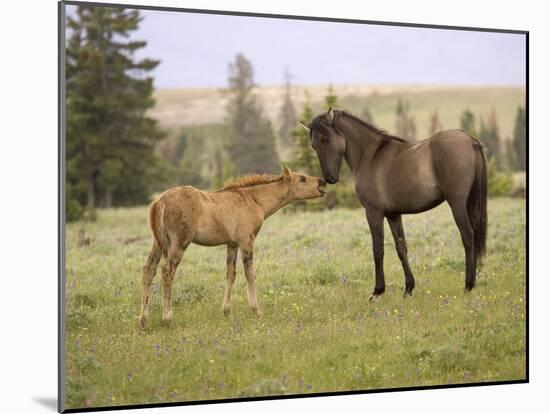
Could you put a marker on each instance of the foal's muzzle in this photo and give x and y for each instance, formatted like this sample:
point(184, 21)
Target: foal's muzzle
point(331, 180)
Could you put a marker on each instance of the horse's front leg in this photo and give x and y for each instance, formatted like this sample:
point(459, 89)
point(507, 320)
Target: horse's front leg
point(248, 263)
point(229, 277)
point(376, 224)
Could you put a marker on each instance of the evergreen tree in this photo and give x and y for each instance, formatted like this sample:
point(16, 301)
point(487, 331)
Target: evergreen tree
point(366, 114)
point(250, 142)
point(287, 117)
point(331, 99)
point(224, 170)
point(468, 123)
point(435, 124)
point(404, 122)
point(489, 136)
point(192, 162)
point(305, 159)
point(510, 155)
point(109, 139)
point(520, 139)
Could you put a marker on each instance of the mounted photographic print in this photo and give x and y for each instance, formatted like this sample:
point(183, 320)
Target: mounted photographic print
point(258, 206)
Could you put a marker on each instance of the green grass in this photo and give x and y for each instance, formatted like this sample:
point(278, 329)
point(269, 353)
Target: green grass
point(318, 332)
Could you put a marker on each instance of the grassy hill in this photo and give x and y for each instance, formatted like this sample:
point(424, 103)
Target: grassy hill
point(318, 331)
point(176, 108)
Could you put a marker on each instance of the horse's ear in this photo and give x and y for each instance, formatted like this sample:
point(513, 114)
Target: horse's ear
point(330, 115)
point(306, 127)
point(286, 172)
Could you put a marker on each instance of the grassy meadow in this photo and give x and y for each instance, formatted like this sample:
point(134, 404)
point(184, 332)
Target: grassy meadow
point(318, 332)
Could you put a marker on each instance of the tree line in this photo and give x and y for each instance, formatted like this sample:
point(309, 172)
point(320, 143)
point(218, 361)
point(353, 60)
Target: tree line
point(118, 155)
point(109, 138)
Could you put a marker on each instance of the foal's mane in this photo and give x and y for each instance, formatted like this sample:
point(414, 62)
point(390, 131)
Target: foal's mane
point(377, 131)
point(251, 180)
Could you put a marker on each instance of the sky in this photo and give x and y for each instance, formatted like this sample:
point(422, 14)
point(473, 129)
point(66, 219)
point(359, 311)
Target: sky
point(195, 50)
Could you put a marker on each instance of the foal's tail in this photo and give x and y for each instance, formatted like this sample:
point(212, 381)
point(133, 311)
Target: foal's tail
point(156, 223)
point(477, 203)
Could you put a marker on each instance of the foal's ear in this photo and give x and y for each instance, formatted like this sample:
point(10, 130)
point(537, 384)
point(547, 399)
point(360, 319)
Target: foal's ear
point(306, 127)
point(330, 115)
point(286, 172)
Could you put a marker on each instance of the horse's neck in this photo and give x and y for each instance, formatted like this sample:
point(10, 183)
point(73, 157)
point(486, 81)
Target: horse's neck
point(269, 197)
point(361, 144)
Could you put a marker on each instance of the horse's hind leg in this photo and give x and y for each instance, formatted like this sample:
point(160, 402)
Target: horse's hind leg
point(396, 226)
point(460, 214)
point(230, 277)
point(149, 271)
point(173, 259)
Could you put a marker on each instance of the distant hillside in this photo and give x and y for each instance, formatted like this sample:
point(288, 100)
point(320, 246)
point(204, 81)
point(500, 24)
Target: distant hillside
point(194, 107)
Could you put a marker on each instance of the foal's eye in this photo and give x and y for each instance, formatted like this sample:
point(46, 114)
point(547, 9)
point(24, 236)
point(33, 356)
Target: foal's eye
point(302, 179)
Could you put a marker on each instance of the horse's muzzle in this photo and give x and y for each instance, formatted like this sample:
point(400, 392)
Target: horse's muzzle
point(320, 187)
point(331, 180)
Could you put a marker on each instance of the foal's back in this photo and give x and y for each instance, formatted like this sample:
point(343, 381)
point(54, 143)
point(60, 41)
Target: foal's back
point(205, 218)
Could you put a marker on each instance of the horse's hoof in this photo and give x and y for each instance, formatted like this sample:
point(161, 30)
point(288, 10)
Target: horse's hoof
point(142, 323)
point(407, 292)
point(377, 292)
point(373, 297)
point(226, 312)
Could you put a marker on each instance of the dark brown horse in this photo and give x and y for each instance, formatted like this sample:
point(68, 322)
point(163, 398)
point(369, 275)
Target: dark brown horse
point(395, 177)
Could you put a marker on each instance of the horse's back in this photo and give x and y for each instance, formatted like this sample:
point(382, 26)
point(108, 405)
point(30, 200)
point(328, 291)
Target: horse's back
point(181, 209)
point(417, 177)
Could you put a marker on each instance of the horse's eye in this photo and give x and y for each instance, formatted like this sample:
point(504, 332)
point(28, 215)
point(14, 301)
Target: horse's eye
point(302, 179)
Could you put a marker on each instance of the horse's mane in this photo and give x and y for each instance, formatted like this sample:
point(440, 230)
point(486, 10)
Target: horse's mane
point(375, 129)
point(320, 123)
point(251, 180)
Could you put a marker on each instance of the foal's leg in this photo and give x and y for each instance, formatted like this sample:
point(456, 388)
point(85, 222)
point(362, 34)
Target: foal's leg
point(396, 226)
point(250, 274)
point(229, 277)
point(462, 220)
point(149, 271)
point(173, 259)
point(376, 224)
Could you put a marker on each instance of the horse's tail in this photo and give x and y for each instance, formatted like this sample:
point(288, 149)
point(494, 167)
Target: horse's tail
point(477, 203)
point(156, 223)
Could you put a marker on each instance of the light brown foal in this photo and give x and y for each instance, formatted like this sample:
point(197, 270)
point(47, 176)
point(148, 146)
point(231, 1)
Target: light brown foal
point(232, 216)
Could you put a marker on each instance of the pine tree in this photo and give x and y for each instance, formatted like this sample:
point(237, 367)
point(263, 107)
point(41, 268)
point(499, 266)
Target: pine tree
point(224, 170)
point(489, 136)
point(404, 122)
point(331, 99)
point(366, 114)
point(435, 124)
point(305, 159)
point(520, 139)
point(287, 118)
point(468, 123)
point(250, 141)
point(510, 155)
point(192, 162)
point(109, 139)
